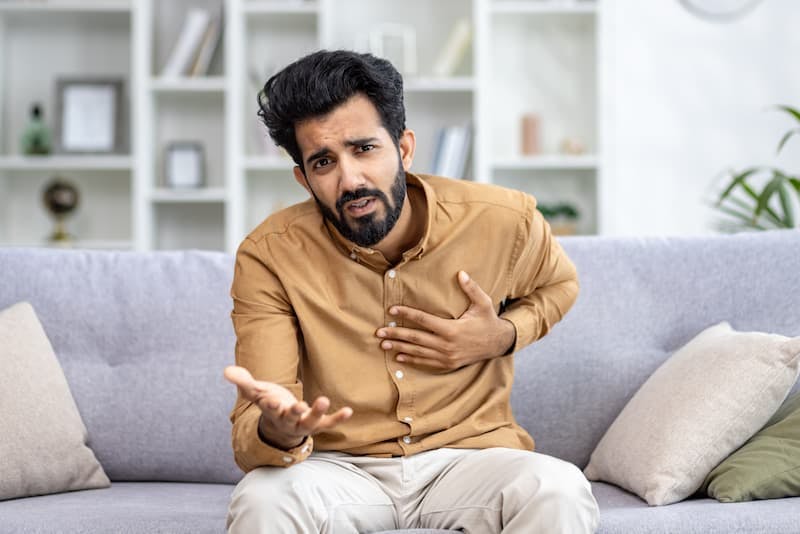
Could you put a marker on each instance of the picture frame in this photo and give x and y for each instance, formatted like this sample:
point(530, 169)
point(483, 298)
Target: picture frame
point(184, 165)
point(398, 44)
point(89, 115)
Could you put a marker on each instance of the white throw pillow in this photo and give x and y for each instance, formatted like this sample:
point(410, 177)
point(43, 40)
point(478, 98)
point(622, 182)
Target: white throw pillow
point(43, 441)
point(699, 406)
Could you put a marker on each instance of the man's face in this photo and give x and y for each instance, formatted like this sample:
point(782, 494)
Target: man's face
point(354, 170)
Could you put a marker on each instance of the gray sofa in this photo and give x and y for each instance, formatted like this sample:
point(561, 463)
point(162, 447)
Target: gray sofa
point(143, 339)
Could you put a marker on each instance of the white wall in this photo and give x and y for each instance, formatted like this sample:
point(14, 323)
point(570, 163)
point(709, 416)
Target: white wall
point(683, 99)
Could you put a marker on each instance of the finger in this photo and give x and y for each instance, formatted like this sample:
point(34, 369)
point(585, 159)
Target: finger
point(474, 291)
point(311, 419)
point(426, 320)
point(250, 387)
point(292, 414)
point(411, 335)
point(330, 421)
point(412, 350)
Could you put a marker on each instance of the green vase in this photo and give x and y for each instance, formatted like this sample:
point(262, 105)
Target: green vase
point(36, 137)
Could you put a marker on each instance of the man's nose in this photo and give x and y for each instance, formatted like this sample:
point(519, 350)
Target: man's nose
point(351, 175)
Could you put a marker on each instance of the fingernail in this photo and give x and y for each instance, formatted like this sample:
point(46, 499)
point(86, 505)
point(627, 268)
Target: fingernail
point(400, 359)
point(381, 333)
point(463, 276)
point(393, 311)
point(386, 345)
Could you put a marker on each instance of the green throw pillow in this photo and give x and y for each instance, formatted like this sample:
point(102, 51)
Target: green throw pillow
point(767, 466)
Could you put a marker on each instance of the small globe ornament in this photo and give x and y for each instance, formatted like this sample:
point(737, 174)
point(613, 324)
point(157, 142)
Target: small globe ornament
point(60, 198)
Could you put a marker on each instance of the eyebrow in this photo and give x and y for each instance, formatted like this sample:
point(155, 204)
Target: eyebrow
point(350, 142)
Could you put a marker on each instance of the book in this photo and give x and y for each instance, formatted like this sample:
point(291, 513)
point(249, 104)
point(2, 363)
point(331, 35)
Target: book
point(208, 47)
point(454, 50)
point(186, 47)
point(452, 151)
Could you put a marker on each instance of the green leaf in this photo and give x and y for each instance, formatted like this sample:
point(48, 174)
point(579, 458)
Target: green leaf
point(786, 204)
point(772, 217)
point(791, 111)
point(796, 183)
point(766, 194)
point(739, 179)
point(786, 137)
point(745, 218)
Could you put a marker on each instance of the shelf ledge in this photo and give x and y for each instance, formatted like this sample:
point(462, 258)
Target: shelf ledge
point(97, 244)
point(64, 162)
point(268, 163)
point(548, 161)
point(199, 84)
point(281, 7)
point(552, 7)
point(186, 196)
point(74, 6)
point(432, 84)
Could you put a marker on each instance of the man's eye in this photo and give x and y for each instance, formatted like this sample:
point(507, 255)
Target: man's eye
point(365, 148)
point(321, 163)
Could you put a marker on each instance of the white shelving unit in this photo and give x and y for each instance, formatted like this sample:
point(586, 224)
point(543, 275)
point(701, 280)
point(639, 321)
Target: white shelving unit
point(526, 56)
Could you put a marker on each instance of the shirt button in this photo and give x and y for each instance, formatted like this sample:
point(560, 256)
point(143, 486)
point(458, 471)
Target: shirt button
point(392, 273)
point(353, 255)
point(408, 419)
point(392, 324)
point(406, 440)
point(288, 459)
point(399, 375)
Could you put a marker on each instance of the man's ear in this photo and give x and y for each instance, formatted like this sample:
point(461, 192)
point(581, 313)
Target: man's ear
point(407, 144)
point(301, 179)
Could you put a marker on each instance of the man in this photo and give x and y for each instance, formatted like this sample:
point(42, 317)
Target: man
point(373, 368)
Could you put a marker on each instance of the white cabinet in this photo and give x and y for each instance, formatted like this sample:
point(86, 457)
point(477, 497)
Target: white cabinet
point(527, 56)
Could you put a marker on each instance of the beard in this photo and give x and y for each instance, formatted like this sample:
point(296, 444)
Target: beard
point(368, 230)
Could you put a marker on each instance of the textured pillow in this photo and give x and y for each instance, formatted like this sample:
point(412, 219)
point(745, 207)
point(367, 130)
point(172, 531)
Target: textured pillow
point(700, 405)
point(42, 437)
point(767, 466)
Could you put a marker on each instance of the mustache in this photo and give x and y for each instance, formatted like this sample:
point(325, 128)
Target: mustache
point(357, 194)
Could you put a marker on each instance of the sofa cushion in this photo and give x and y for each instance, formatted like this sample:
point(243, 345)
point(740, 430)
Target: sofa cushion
point(703, 403)
point(125, 507)
point(767, 466)
point(624, 513)
point(43, 441)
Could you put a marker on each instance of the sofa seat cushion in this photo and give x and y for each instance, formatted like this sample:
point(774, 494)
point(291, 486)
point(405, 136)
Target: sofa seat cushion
point(624, 513)
point(124, 508)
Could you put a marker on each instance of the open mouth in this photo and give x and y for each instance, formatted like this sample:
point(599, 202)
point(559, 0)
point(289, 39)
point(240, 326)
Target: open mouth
point(361, 206)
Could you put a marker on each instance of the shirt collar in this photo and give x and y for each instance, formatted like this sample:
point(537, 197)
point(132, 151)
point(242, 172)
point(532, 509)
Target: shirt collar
point(372, 256)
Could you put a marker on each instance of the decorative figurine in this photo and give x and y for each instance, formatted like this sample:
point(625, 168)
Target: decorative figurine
point(36, 137)
point(60, 199)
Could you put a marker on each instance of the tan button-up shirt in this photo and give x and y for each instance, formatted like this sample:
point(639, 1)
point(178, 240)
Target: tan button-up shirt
point(307, 303)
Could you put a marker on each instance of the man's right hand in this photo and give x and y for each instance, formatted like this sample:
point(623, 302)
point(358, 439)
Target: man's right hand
point(285, 422)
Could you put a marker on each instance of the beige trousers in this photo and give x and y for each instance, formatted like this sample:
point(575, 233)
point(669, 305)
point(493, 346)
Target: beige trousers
point(477, 491)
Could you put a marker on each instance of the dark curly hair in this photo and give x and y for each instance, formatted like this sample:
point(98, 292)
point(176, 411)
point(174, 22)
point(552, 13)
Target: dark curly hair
point(319, 82)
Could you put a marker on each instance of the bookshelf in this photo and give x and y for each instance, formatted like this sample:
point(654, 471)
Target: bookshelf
point(125, 203)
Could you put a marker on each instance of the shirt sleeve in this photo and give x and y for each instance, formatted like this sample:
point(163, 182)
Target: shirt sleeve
point(544, 281)
point(268, 344)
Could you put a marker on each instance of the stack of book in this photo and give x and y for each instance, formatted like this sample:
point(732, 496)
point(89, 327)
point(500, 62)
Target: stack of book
point(196, 44)
point(452, 151)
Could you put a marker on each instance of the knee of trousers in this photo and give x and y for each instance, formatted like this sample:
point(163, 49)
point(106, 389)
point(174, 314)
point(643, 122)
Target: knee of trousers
point(558, 481)
point(273, 492)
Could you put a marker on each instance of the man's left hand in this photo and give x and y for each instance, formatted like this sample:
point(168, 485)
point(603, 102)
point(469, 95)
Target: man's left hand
point(479, 334)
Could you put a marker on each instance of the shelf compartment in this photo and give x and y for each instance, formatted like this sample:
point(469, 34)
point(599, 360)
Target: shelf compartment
point(94, 244)
point(268, 163)
point(189, 226)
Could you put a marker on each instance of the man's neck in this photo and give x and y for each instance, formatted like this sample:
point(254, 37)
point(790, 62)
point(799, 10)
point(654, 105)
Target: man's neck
point(408, 230)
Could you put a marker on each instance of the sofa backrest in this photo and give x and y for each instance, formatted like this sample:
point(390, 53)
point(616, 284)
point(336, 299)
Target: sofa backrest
point(640, 300)
point(143, 339)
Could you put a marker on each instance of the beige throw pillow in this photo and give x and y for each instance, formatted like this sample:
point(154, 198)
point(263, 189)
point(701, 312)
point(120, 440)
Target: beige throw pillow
point(42, 436)
point(698, 407)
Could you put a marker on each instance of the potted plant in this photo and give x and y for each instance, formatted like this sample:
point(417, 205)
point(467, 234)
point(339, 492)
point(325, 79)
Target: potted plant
point(749, 208)
point(562, 216)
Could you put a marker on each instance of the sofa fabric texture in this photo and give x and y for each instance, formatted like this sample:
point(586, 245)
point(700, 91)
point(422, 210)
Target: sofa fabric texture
point(143, 339)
